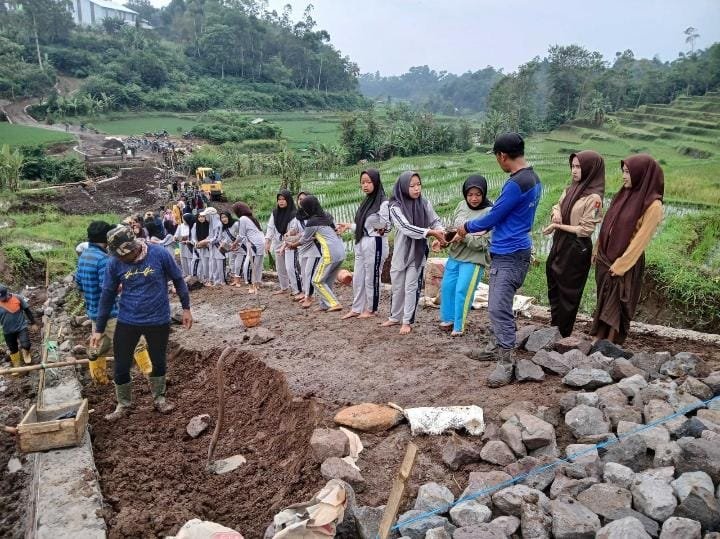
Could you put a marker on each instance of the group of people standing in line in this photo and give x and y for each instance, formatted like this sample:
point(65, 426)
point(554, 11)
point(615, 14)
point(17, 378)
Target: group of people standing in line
point(486, 237)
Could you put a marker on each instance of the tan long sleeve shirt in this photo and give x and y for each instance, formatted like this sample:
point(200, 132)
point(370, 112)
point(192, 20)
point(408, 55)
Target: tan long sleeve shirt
point(644, 231)
point(584, 216)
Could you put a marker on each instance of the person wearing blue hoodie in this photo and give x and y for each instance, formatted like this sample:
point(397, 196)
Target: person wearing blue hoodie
point(143, 270)
point(511, 220)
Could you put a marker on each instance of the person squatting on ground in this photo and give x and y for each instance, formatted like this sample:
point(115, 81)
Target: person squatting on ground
point(372, 223)
point(511, 219)
point(629, 224)
point(249, 237)
point(573, 221)
point(15, 314)
point(143, 271)
point(89, 277)
point(309, 255)
point(414, 220)
point(320, 228)
point(466, 261)
point(277, 227)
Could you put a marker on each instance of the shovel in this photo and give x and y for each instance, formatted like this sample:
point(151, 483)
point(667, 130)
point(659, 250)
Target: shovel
point(228, 464)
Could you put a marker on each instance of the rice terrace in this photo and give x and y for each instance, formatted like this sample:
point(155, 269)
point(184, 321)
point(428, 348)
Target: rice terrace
point(267, 272)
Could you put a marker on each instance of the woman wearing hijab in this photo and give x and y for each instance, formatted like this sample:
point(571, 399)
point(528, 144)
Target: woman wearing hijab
point(249, 237)
point(631, 220)
point(308, 253)
point(320, 229)
point(217, 258)
point(573, 221)
point(182, 236)
point(414, 220)
point(199, 238)
point(228, 245)
point(277, 227)
point(372, 223)
point(467, 260)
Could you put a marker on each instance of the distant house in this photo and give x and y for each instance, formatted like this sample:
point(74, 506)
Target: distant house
point(92, 12)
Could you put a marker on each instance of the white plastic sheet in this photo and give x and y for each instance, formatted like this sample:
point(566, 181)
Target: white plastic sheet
point(436, 420)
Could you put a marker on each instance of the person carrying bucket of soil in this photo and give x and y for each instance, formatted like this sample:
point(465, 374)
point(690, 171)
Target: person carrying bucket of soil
point(143, 270)
point(467, 261)
point(15, 314)
point(511, 219)
point(89, 277)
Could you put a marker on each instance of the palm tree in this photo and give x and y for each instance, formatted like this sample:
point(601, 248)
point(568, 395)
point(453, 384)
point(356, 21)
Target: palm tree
point(692, 35)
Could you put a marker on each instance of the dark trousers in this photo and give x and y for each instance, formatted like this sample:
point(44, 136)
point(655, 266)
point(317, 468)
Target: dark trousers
point(507, 274)
point(12, 339)
point(124, 343)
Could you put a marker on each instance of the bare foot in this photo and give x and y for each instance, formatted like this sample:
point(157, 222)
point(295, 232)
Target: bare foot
point(405, 329)
point(306, 304)
point(389, 323)
point(335, 309)
point(299, 297)
point(456, 333)
point(252, 289)
point(350, 314)
point(319, 309)
point(367, 314)
point(277, 292)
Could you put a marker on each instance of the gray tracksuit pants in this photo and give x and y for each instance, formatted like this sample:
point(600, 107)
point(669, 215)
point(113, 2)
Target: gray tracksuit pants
point(406, 287)
point(370, 255)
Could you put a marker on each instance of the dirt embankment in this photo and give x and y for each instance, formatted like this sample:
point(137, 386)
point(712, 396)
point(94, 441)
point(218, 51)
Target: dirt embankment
point(153, 474)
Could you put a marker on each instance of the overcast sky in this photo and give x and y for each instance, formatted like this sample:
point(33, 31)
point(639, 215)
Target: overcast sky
point(460, 35)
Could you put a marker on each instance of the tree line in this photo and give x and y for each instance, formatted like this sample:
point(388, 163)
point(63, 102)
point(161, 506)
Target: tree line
point(201, 54)
point(569, 83)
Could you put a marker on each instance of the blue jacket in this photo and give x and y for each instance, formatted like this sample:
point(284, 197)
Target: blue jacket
point(144, 299)
point(511, 217)
point(89, 277)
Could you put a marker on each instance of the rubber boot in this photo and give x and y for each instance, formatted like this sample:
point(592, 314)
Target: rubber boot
point(488, 353)
point(27, 356)
point(502, 375)
point(158, 391)
point(15, 362)
point(123, 392)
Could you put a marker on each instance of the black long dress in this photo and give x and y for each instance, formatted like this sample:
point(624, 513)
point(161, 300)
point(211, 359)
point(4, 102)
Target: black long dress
point(567, 269)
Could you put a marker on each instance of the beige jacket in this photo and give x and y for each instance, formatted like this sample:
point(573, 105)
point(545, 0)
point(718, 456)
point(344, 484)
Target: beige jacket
point(585, 214)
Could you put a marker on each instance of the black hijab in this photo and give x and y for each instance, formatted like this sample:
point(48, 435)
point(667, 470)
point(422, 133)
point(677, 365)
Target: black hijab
point(283, 216)
point(202, 230)
point(231, 220)
point(415, 210)
point(371, 204)
point(481, 183)
point(316, 216)
point(189, 219)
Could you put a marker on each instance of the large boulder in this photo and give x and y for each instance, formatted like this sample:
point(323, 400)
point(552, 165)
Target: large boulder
point(369, 417)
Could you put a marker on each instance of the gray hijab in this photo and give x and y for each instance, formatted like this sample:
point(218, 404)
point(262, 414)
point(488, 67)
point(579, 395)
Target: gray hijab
point(415, 210)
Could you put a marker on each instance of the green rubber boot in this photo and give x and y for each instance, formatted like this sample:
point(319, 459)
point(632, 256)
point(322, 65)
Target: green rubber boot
point(158, 390)
point(123, 392)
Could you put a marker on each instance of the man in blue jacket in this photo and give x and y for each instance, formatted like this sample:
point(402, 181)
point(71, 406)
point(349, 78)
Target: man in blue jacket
point(511, 220)
point(143, 270)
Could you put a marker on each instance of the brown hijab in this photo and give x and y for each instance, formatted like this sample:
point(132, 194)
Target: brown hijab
point(629, 205)
point(592, 181)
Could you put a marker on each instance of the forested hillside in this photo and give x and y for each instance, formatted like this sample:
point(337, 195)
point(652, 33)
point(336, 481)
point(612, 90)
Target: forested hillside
point(569, 83)
point(201, 54)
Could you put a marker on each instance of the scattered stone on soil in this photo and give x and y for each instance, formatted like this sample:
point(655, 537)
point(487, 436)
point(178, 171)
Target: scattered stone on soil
point(527, 371)
point(337, 468)
point(543, 338)
point(327, 443)
point(197, 425)
point(458, 452)
point(433, 496)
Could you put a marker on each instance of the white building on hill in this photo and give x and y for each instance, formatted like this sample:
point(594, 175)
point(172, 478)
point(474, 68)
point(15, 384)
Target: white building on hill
point(92, 12)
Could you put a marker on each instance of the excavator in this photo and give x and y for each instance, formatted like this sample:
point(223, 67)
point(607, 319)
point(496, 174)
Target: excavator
point(210, 183)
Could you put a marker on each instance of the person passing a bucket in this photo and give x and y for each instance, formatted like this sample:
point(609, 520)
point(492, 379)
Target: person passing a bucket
point(143, 270)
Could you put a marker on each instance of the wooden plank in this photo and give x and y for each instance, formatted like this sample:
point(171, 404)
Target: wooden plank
point(397, 491)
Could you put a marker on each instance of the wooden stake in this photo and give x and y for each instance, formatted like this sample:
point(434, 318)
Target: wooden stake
point(54, 365)
point(397, 491)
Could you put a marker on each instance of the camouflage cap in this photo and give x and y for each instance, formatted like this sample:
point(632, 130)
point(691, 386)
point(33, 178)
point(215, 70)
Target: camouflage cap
point(121, 240)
